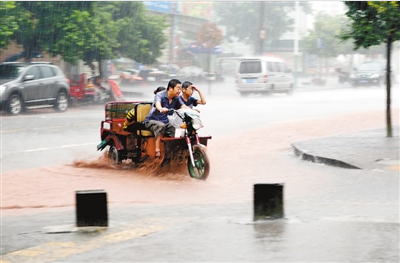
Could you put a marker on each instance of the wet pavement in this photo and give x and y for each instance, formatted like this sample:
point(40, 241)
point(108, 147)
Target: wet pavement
point(337, 216)
point(208, 233)
point(310, 231)
point(362, 150)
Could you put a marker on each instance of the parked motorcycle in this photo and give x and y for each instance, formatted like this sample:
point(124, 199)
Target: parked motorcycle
point(342, 76)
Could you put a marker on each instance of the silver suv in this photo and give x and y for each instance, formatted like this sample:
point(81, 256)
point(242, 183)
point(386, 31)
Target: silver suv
point(25, 86)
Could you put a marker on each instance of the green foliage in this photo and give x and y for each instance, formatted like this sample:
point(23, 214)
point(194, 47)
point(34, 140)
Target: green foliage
point(43, 24)
point(86, 36)
point(140, 35)
point(325, 29)
point(328, 29)
point(92, 31)
point(8, 23)
point(242, 18)
point(371, 22)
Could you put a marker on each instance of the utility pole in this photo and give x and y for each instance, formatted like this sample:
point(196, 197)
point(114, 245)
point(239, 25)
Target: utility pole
point(174, 32)
point(296, 42)
point(261, 28)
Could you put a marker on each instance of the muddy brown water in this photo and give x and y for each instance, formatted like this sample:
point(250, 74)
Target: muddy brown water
point(237, 161)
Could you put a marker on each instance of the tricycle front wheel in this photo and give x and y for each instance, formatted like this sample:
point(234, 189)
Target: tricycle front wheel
point(201, 167)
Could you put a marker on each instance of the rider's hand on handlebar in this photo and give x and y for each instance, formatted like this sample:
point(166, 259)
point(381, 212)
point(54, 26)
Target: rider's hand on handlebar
point(164, 110)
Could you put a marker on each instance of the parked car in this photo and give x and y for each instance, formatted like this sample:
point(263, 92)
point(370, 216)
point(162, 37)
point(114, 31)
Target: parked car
point(130, 76)
point(145, 74)
point(169, 69)
point(263, 75)
point(25, 86)
point(191, 73)
point(369, 73)
point(156, 75)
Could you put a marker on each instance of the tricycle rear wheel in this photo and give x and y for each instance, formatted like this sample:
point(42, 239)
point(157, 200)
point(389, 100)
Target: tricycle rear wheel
point(114, 157)
point(201, 162)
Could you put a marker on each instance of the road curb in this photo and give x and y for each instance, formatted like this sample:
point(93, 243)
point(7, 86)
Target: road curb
point(319, 159)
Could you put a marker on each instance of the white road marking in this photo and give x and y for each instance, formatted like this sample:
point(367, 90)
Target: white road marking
point(63, 146)
point(50, 127)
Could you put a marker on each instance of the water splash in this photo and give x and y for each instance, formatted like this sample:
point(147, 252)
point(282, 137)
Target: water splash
point(174, 168)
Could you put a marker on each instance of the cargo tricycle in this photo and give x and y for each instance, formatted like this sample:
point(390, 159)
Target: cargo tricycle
point(138, 144)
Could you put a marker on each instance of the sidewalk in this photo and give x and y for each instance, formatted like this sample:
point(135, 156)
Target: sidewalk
point(362, 150)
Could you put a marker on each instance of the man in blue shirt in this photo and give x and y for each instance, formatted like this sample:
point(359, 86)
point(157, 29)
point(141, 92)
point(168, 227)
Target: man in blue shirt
point(157, 119)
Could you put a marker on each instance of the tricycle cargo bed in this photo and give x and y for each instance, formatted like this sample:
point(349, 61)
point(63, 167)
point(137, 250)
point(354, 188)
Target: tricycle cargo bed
point(115, 116)
point(119, 109)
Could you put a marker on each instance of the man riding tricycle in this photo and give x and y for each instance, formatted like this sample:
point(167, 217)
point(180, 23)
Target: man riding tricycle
point(138, 143)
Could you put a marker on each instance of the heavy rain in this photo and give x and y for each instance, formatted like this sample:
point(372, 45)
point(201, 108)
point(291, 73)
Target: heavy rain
point(298, 98)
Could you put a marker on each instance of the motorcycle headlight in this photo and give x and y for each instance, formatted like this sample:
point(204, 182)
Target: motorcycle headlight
point(196, 123)
point(2, 89)
point(373, 76)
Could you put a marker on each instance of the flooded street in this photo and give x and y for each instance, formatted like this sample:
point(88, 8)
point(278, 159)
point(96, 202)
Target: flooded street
point(238, 161)
point(289, 154)
point(330, 212)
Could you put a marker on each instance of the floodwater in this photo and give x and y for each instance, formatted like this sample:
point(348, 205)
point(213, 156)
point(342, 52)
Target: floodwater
point(238, 160)
point(331, 214)
point(149, 168)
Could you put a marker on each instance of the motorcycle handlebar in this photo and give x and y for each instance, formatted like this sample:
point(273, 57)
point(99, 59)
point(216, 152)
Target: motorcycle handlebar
point(171, 112)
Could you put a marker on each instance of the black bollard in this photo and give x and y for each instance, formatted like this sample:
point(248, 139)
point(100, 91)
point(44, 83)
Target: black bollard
point(268, 201)
point(91, 208)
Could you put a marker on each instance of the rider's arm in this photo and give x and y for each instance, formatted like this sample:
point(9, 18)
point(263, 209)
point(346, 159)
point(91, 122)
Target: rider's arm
point(160, 108)
point(158, 98)
point(184, 107)
point(202, 100)
point(179, 103)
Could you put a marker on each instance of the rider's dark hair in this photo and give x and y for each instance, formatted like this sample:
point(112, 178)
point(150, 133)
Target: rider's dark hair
point(157, 90)
point(173, 82)
point(186, 84)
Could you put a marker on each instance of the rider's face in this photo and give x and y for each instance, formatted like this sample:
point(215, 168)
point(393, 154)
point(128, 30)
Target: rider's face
point(189, 91)
point(177, 89)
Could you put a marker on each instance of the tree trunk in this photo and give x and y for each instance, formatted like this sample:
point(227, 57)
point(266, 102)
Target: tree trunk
point(100, 68)
point(209, 60)
point(92, 68)
point(388, 82)
point(28, 54)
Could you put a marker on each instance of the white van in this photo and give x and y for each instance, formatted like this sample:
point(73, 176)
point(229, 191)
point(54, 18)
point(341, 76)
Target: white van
point(263, 75)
